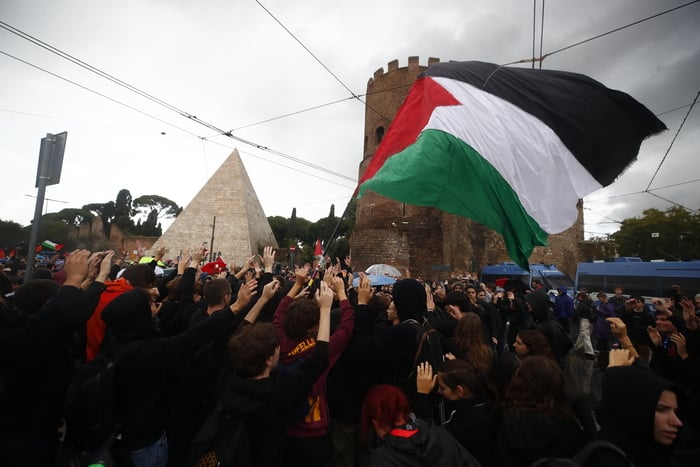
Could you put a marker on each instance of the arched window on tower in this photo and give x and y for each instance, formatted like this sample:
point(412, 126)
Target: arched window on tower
point(379, 134)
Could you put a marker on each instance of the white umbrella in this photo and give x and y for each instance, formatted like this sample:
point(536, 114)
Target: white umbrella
point(383, 269)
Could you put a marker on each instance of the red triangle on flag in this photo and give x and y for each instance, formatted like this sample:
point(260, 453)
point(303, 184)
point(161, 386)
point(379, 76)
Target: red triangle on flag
point(318, 250)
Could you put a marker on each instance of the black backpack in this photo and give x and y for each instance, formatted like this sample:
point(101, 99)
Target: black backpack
point(586, 456)
point(91, 404)
point(222, 441)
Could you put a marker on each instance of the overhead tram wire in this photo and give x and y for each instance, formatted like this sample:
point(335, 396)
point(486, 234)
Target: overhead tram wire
point(534, 30)
point(130, 107)
point(673, 141)
point(542, 57)
point(619, 29)
point(672, 202)
point(279, 164)
point(308, 109)
point(657, 188)
point(144, 94)
point(541, 33)
point(87, 66)
point(352, 94)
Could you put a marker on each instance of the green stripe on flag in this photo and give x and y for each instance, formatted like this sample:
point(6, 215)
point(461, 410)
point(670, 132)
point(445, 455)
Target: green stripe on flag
point(442, 171)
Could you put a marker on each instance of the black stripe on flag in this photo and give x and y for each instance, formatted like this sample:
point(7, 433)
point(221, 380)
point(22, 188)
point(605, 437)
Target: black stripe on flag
point(603, 128)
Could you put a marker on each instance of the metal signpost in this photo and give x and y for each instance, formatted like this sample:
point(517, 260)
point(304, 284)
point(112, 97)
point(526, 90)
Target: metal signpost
point(48, 173)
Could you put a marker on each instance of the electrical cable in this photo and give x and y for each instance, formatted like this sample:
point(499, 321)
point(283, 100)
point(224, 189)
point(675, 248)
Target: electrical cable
point(618, 29)
point(672, 202)
point(541, 33)
point(98, 93)
point(673, 141)
point(156, 100)
point(534, 30)
point(541, 58)
point(318, 60)
point(278, 163)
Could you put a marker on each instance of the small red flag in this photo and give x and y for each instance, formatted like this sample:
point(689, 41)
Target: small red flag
point(318, 250)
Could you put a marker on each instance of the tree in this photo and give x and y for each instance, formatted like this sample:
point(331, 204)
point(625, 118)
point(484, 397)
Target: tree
point(123, 204)
point(164, 207)
point(123, 211)
point(71, 216)
point(105, 212)
point(673, 234)
point(11, 233)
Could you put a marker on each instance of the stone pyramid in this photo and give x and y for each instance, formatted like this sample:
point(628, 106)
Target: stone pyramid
point(241, 228)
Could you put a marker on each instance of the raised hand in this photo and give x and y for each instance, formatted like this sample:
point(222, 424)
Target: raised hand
point(197, 257)
point(105, 266)
point(268, 258)
point(270, 290)
point(679, 340)
point(304, 293)
point(94, 265)
point(302, 274)
point(160, 253)
point(183, 262)
point(655, 336)
point(324, 296)
point(76, 267)
point(425, 380)
point(429, 299)
point(338, 286)
point(245, 294)
point(617, 327)
point(365, 291)
point(455, 312)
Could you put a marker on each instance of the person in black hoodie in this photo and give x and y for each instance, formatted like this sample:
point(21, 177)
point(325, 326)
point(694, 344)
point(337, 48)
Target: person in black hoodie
point(539, 306)
point(537, 421)
point(265, 400)
point(404, 440)
point(396, 345)
point(143, 360)
point(35, 363)
point(639, 413)
point(469, 403)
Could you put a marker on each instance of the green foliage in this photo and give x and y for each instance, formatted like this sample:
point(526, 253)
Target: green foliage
point(678, 235)
point(164, 207)
point(11, 233)
point(302, 234)
point(122, 206)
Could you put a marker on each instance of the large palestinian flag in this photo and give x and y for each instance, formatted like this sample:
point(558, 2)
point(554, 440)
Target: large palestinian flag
point(512, 148)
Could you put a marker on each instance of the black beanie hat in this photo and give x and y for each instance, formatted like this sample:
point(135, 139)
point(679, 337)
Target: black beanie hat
point(129, 315)
point(409, 299)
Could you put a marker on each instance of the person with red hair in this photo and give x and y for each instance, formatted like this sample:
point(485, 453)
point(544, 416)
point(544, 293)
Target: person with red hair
point(404, 440)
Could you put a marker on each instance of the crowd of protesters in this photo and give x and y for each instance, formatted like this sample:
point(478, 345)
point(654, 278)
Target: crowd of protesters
point(316, 371)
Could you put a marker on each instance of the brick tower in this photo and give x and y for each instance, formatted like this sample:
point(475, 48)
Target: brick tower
point(427, 240)
point(241, 227)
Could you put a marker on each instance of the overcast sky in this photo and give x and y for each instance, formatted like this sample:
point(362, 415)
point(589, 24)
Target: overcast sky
point(232, 65)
